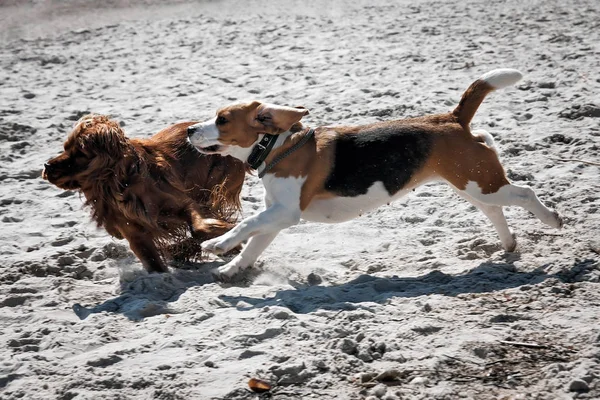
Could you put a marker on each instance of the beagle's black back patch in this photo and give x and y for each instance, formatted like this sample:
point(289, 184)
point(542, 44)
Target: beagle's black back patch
point(390, 154)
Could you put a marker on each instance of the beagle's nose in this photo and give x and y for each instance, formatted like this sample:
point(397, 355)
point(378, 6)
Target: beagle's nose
point(190, 131)
point(46, 166)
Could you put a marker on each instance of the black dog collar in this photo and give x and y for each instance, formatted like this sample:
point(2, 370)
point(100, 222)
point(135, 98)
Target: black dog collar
point(286, 153)
point(261, 151)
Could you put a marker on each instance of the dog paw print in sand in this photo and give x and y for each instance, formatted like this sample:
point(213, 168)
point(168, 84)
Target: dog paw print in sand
point(24, 345)
point(28, 341)
point(476, 249)
point(62, 241)
point(14, 132)
point(17, 298)
point(580, 111)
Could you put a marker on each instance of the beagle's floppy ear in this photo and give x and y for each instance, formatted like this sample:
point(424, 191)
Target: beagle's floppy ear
point(277, 119)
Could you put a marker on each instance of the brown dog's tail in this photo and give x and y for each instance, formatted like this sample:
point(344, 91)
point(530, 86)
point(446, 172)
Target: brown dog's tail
point(472, 98)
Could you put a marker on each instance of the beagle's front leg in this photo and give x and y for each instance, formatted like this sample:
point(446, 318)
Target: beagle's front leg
point(249, 254)
point(272, 220)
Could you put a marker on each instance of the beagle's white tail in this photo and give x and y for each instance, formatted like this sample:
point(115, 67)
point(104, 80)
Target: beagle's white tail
point(474, 95)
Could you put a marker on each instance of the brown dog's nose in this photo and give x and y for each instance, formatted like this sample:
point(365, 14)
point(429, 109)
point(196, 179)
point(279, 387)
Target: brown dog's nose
point(47, 166)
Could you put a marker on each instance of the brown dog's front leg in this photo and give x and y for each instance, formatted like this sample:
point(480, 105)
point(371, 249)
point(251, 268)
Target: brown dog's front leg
point(146, 251)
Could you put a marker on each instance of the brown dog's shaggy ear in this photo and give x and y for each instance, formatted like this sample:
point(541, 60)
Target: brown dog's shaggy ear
point(99, 134)
point(278, 119)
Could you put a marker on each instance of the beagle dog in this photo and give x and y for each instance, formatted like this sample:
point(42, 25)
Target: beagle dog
point(336, 173)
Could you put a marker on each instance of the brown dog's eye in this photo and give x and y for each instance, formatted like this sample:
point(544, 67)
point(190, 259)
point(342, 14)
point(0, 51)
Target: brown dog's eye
point(78, 154)
point(221, 120)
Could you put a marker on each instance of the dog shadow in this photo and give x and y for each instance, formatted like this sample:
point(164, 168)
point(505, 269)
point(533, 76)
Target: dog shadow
point(145, 295)
point(485, 278)
point(151, 295)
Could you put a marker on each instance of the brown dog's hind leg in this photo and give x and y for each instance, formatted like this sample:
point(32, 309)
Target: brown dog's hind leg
point(204, 228)
point(207, 228)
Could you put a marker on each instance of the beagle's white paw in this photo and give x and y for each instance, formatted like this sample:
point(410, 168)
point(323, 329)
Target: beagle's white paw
point(219, 245)
point(227, 272)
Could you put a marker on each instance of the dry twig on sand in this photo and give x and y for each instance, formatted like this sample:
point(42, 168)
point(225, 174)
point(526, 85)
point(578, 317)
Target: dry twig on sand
point(523, 344)
point(575, 160)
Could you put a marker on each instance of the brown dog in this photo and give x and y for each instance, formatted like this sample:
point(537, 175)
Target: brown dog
point(152, 192)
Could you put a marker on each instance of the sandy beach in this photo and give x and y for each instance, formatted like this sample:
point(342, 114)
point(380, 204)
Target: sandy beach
point(416, 300)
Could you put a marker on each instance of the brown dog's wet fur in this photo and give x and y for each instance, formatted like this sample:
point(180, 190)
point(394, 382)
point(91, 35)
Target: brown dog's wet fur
point(152, 192)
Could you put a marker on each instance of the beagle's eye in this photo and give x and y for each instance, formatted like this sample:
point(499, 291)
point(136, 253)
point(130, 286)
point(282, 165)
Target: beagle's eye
point(263, 118)
point(221, 120)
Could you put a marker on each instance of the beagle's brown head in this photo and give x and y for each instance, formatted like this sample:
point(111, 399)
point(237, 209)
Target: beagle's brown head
point(237, 127)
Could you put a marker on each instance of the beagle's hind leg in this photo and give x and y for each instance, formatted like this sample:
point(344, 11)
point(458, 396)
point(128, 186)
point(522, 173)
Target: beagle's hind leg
point(474, 169)
point(496, 216)
point(513, 195)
